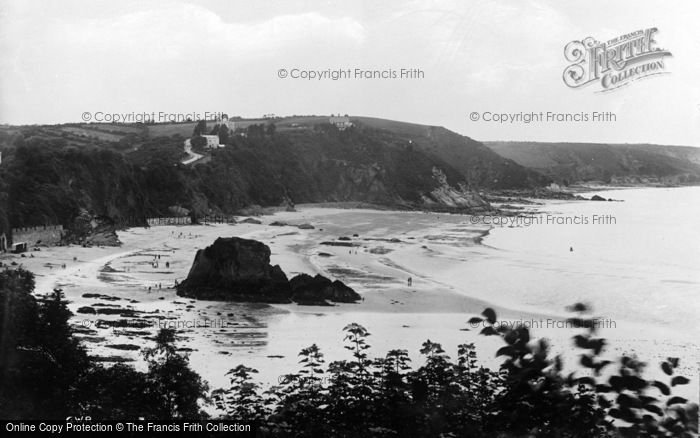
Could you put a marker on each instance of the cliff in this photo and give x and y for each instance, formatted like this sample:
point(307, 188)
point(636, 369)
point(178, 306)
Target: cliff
point(454, 197)
point(616, 164)
point(478, 165)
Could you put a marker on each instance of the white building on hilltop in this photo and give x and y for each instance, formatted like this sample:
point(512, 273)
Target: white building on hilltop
point(212, 141)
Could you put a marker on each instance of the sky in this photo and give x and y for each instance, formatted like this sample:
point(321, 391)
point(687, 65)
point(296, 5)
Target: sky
point(59, 60)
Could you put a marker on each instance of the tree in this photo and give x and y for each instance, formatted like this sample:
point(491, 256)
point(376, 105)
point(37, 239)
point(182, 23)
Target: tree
point(174, 387)
point(117, 393)
point(243, 400)
point(223, 134)
point(40, 359)
point(198, 142)
point(65, 352)
point(18, 310)
point(46, 374)
point(200, 128)
point(169, 390)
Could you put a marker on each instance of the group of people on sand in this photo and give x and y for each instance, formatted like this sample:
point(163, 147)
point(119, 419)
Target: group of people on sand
point(155, 263)
point(158, 286)
point(181, 235)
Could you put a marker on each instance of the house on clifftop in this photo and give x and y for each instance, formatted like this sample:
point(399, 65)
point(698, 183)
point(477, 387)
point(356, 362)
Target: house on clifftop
point(340, 122)
point(212, 141)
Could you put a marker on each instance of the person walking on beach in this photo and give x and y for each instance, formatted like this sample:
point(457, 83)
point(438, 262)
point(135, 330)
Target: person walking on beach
point(410, 281)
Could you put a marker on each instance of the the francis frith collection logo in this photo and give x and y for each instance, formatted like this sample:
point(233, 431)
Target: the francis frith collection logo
point(614, 63)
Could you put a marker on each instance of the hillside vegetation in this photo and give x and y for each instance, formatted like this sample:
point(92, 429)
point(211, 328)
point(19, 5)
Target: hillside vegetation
point(124, 173)
point(571, 163)
point(478, 164)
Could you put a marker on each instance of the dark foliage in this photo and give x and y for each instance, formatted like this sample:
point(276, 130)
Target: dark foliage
point(47, 179)
point(528, 397)
point(170, 389)
point(39, 357)
point(46, 374)
point(610, 163)
point(48, 183)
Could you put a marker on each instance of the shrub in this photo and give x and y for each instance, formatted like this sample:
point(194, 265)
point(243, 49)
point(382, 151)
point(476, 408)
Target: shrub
point(529, 396)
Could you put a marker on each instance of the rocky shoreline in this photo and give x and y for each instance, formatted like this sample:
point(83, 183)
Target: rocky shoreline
point(237, 269)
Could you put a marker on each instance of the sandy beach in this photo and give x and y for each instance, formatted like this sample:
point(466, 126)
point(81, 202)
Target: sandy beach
point(458, 267)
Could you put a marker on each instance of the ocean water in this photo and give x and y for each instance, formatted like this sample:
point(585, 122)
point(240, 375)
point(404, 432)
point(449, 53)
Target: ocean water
point(640, 263)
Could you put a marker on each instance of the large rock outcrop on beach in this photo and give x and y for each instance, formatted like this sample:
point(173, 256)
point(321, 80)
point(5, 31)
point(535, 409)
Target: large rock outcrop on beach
point(238, 270)
point(235, 269)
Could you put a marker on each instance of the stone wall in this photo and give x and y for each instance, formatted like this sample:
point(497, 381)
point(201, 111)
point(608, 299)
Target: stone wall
point(48, 235)
point(155, 221)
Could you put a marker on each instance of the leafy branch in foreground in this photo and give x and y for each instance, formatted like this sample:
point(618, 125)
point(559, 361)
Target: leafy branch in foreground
point(529, 396)
point(622, 404)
